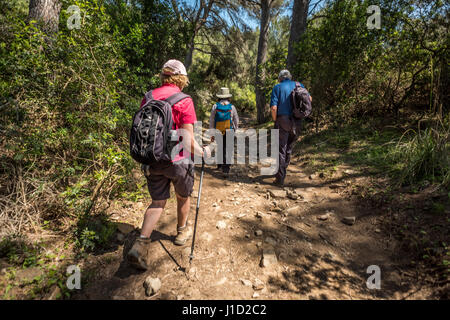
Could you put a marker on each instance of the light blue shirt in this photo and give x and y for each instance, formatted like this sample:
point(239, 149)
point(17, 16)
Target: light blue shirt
point(281, 97)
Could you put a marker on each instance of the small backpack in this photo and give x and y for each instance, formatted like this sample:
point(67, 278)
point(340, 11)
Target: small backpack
point(301, 102)
point(223, 117)
point(152, 129)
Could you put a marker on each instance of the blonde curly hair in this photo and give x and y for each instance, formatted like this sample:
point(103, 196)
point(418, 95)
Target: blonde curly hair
point(181, 81)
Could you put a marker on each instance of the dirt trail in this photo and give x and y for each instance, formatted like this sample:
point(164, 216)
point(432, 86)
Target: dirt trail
point(315, 259)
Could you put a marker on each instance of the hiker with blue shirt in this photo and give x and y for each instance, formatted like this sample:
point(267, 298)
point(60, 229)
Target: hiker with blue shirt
point(224, 117)
point(289, 127)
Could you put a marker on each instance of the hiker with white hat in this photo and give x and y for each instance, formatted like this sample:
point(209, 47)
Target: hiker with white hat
point(177, 170)
point(224, 117)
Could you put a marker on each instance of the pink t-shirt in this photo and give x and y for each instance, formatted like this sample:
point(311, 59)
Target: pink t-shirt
point(183, 112)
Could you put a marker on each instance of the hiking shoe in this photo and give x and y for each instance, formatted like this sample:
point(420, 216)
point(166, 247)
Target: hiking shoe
point(183, 235)
point(139, 254)
point(279, 182)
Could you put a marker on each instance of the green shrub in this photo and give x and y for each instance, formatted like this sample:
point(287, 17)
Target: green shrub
point(424, 156)
point(93, 232)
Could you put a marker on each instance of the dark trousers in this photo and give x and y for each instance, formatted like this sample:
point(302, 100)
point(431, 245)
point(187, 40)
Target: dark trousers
point(289, 131)
point(225, 166)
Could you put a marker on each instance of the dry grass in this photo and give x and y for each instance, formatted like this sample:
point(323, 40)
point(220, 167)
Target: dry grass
point(25, 201)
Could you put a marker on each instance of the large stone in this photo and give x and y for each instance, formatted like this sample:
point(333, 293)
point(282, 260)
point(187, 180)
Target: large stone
point(258, 233)
point(325, 216)
point(277, 194)
point(258, 284)
point(349, 220)
point(152, 286)
point(246, 283)
point(293, 210)
point(268, 257)
point(221, 225)
point(292, 195)
point(124, 228)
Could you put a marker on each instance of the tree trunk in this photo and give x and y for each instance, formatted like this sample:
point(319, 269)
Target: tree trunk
point(200, 19)
point(189, 54)
point(45, 12)
point(298, 27)
point(260, 60)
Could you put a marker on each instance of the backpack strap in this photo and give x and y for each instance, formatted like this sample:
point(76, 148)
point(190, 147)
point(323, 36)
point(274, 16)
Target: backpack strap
point(228, 106)
point(148, 96)
point(177, 97)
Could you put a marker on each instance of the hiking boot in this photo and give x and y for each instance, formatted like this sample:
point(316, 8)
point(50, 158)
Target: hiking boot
point(139, 254)
point(278, 182)
point(183, 235)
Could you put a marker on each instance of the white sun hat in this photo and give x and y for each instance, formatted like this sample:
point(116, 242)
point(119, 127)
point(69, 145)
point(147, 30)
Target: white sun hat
point(177, 67)
point(224, 93)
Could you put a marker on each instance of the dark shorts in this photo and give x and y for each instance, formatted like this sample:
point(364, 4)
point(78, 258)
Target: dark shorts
point(159, 178)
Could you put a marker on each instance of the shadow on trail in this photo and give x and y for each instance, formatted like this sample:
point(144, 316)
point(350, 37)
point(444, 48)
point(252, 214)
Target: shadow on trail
point(179, 267)
point(316, 260)
point(317, 266)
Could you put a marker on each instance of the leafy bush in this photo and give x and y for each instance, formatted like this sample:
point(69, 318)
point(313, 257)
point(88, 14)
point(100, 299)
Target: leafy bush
point(424, 156)
point(93, 232)
point(354, 71)
point(64, 117)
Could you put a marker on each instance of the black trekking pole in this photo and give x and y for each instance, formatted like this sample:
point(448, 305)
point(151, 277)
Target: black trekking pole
point(196, 212)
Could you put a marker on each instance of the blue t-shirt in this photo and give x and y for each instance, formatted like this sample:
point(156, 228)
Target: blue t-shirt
point(281, 97)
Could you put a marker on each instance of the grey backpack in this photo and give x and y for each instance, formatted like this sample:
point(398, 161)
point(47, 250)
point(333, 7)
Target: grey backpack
point(301, 102)
point(152, 129)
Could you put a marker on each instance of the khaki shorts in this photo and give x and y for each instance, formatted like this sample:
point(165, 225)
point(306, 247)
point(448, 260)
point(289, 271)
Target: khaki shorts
point(159, 177)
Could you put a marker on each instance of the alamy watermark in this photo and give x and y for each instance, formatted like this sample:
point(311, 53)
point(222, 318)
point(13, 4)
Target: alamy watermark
point(258, 147)
point(74, 279)
point(74, 21)
point(374, 281)
point(374, 20)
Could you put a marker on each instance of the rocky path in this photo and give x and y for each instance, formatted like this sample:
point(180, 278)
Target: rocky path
point(309, 240)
